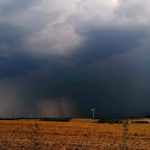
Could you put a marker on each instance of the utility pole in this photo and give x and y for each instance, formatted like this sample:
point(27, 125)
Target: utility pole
point(93, 112)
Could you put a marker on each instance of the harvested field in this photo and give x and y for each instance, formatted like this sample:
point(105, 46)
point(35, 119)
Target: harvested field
point(36, 135)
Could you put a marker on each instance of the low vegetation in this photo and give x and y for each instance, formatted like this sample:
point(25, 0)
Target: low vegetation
point(72, 135)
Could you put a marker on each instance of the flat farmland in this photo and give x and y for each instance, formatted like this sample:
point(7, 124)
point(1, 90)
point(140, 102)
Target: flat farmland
point(36, 135)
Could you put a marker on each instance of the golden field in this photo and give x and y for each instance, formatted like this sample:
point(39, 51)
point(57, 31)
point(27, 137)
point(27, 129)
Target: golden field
point(73, 135)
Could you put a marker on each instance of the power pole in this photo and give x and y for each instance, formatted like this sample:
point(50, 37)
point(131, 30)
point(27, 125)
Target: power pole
point(93, 112)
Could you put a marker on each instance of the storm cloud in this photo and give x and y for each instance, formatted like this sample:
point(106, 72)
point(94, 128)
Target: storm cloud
point(60, 58)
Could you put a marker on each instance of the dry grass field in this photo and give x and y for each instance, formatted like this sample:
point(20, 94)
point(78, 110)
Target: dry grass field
point(73, 135)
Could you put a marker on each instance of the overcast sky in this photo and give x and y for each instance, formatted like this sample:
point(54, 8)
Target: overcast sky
point(61, 57)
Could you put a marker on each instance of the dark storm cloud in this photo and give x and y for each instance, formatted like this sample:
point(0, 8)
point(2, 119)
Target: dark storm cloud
point(10, 39)
point(104, 42)
point(15, 66)
point(11, 7)
point(13, 60)
point(98, 76)
point(67, 65)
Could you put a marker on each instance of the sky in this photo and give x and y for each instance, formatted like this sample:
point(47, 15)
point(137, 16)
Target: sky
point(60, 58)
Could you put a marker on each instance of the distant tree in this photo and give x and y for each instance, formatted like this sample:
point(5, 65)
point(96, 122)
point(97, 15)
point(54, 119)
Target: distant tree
point(148, 116)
